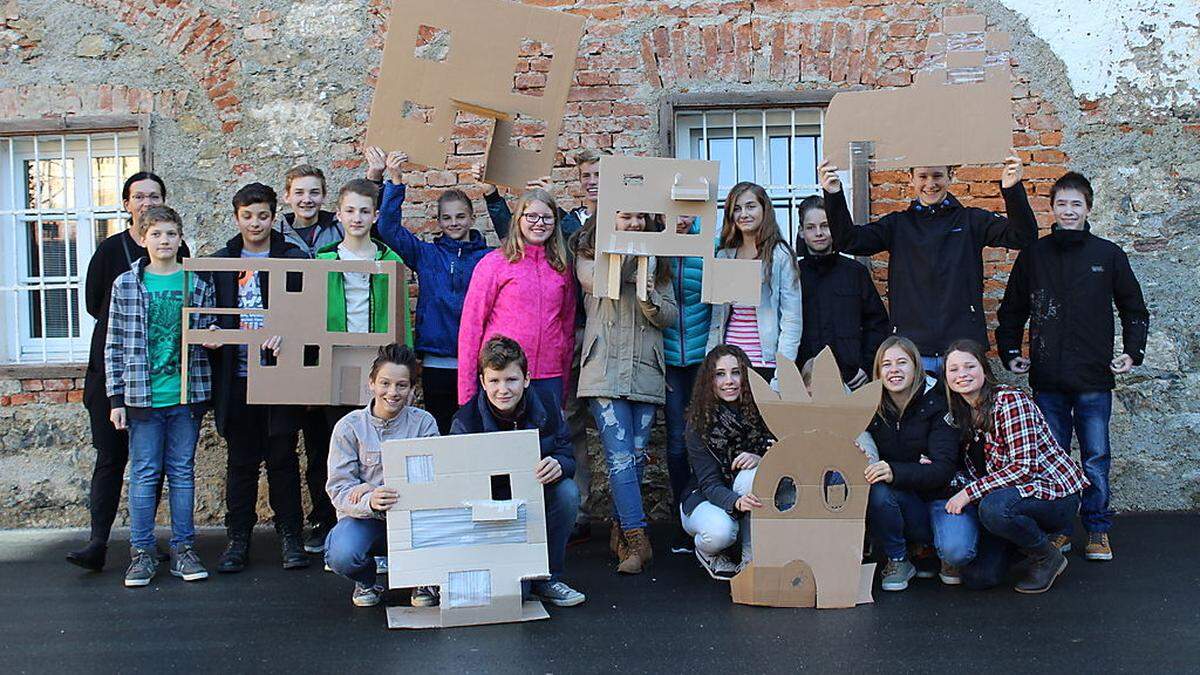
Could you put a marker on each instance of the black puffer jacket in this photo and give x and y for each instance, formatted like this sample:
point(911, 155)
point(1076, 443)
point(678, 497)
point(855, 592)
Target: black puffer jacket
point(923, 429)
point(935, 269)
point(1065, 285)
point(843, 310)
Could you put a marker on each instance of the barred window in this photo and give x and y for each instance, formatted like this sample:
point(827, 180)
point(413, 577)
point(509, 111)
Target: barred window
point(60, 196)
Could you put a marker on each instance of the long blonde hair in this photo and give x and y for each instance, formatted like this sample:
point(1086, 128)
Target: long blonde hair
point(514, 244)
point(888, 409)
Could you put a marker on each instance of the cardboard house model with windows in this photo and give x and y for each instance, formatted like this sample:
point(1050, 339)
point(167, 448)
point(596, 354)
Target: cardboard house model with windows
point(807, 539)
point(315, 366)
point(471, 520)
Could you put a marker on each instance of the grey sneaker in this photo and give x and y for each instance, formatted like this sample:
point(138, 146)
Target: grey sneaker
point(426, 596)
point(950, 575)
point(718, 566)
point(557, 593)
point(142, 567)
point(366, 596)
point(185, 564)
point(897, 574)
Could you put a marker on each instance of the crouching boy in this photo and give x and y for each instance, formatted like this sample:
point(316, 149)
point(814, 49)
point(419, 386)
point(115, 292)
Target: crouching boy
point(355, 484)
point(504, 402)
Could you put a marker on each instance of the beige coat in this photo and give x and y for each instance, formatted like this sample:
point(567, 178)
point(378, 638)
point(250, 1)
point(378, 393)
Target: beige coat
point(622, 353)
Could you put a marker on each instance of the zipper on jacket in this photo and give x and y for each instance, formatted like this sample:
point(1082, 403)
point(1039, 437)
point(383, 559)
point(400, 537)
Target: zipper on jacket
point(680, 320)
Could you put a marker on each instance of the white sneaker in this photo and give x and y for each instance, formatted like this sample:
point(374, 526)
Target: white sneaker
point(426, 596)
point(718, 566)
point(366, 596)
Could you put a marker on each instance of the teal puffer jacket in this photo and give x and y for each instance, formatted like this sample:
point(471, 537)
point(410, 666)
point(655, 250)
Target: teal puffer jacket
point(684, 340)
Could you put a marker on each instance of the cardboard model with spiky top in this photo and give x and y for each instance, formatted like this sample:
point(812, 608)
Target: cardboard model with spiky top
point(808, 550)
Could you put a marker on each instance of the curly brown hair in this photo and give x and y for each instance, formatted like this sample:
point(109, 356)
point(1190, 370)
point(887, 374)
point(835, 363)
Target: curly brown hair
point(704, 403)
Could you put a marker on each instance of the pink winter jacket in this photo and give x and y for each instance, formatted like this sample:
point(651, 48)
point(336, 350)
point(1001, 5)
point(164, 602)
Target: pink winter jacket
point(528, 301)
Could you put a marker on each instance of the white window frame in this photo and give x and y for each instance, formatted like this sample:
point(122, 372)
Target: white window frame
point(65, 141)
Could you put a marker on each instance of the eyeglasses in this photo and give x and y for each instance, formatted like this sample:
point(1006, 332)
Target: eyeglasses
point(535, 218)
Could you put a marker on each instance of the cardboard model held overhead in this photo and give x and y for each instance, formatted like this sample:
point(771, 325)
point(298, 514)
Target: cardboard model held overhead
point(315, 366)
point(809, 553)
point(477, 74)
point(471, 520)
point(960, 112)
point(673, 188)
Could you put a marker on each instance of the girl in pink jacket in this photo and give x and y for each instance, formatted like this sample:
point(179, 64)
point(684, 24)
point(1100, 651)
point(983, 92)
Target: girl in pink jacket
point(523, 290)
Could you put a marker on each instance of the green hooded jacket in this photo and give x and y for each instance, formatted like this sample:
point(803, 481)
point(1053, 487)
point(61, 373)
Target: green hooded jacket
point(336, 310)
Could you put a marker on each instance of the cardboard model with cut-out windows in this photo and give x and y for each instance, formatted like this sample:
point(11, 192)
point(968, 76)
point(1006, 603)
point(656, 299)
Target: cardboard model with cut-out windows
point(471, 520)
point(807, 544)
point(314, 366)
point(503, 60)
point(671, 188)
point(957, 111)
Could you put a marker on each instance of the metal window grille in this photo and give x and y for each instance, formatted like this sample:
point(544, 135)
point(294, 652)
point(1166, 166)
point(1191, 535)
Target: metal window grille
point(778, 148)
point(60, 196)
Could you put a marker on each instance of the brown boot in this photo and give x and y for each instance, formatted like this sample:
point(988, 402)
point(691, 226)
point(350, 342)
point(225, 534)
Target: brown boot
point(633, 552)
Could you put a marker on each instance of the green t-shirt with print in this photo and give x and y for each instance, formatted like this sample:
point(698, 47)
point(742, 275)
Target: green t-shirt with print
point(164, 324)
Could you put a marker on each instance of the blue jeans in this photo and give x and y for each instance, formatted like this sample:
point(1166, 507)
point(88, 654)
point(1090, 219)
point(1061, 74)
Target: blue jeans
point(624, 432)
point(162, 440)
point(680, 380)
point(955, 536)
point(1025, 520)
point(1086, 414)
point(897, 517)
point(934, 365)
point(351, 547)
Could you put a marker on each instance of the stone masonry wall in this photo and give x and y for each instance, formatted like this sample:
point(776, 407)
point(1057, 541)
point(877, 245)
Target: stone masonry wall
point(241, 90)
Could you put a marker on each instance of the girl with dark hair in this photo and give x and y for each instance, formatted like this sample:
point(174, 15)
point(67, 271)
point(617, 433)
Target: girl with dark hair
point(622, 373)
point(444, 267)
point(774, 326)
point(1025, 485)
point(726, 439)
point(356, 485)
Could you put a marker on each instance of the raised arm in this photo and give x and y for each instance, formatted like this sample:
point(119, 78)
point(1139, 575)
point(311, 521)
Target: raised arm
point(865, 240)
point(1019, 229)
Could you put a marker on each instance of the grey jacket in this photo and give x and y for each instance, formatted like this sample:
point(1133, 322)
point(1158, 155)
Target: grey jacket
point(355, 454)
point(779, 313)
point(622, 353)
point(326, 231)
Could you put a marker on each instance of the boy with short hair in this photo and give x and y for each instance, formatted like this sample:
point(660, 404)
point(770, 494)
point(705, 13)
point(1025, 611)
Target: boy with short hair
point(142, 353)
point(356, 485)
point(505, 402)
point(1065, 285)
point(254, 433)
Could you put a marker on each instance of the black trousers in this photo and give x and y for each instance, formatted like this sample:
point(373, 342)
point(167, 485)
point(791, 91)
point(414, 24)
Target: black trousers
point(317, 428)
point(112, 454)
point(440, 388)
point(250, 445)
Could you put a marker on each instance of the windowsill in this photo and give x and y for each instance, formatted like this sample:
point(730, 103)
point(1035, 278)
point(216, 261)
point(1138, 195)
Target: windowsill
point(42, 371)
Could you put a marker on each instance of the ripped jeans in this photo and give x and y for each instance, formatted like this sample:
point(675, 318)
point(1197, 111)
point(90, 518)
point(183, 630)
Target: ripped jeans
point(624, 427)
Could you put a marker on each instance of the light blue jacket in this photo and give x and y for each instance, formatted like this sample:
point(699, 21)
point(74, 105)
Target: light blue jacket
point(780, 319)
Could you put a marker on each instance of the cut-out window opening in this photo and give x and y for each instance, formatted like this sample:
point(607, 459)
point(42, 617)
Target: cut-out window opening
point(267, 358)
point(502, 487)
point(785, 494)
point(532, 69)
point(528, 133)
point(410, 110)
point(639, 221)
point(836, 491)
point(294, 282)
point(312, 356)
point(433, 44)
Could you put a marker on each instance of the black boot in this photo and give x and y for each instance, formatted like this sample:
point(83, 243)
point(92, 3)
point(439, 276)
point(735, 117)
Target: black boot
point(236, 555)
point(292, 548)
point(90, 557)
point(1046, 562)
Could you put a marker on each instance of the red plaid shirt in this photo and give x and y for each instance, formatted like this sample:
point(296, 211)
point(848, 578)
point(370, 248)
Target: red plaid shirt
point(1022, 453)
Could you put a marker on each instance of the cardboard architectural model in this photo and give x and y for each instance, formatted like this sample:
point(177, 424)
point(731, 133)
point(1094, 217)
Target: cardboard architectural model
point(672, 188)
point(808, 548)
point(443, 56)
point(315, 366)
point(958, 111)
point(471, 519)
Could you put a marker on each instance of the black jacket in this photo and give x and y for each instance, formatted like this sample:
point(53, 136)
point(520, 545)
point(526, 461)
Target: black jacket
point(113, 257)
point(842, 309)
point(1065, 285)
point(541, 413)
point(280, 419)
point(935, 268)
point(922, 430)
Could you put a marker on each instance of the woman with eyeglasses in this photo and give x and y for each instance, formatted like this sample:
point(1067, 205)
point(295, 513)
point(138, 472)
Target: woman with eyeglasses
point(622, 375)
point(523, 290)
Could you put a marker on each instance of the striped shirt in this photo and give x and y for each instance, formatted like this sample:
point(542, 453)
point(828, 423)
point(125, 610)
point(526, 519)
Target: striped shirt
point(742, 331)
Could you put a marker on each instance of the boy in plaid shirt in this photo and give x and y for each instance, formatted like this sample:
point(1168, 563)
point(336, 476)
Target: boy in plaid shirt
point(1027, 487)
point(142, 354)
